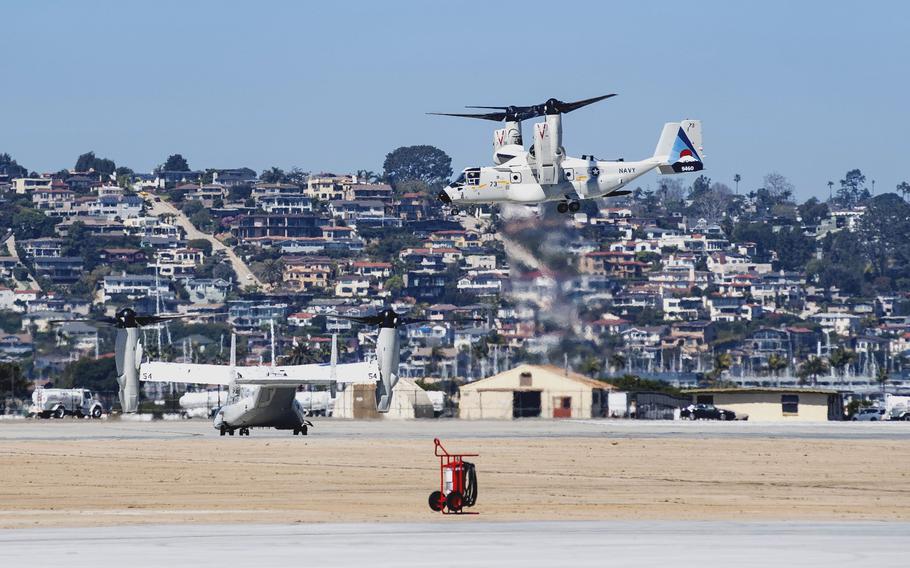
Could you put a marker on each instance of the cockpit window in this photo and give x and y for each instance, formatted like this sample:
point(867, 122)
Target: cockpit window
point(473, 177)
point(460, 180)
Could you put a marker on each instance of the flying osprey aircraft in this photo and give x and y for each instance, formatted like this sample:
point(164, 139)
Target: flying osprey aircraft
point(545, 173)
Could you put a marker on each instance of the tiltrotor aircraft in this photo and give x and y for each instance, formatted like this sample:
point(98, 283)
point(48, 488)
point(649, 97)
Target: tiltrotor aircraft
point(544, 172)
point(258, 396)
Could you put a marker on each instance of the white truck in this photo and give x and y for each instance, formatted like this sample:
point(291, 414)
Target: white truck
point(897, 407)
point(58, 403)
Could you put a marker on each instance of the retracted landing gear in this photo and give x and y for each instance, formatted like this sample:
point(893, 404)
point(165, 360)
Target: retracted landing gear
point(568, 206)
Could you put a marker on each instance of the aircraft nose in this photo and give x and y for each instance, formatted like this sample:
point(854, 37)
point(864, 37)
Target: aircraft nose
point(444, 197)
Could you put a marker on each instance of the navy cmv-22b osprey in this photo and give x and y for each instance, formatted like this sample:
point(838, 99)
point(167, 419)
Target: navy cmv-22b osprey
point(544, 172)
point(258, 396)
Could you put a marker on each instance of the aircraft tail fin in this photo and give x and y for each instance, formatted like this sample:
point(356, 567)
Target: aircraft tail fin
point(679, 149)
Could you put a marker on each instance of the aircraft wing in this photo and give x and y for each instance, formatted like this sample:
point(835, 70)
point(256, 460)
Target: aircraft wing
point(363, 372)
point(195, 373)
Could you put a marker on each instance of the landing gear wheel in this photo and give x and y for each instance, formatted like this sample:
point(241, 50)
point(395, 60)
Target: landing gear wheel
point(230, 432)
point(437, 501)
point(455, 501)
point(244, 431)
point(562, 207)
point(223, 430)
point(574, 206)
point(455, 211)
point(59, 412)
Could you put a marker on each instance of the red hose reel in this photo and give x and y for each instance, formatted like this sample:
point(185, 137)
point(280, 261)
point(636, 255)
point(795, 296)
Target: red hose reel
point(457, 482)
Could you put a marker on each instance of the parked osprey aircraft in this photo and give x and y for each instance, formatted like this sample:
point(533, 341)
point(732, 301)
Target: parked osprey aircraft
point(259, 396)
point(545, 173)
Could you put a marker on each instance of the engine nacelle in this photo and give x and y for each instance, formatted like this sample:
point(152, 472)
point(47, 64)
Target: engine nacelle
point(507, 143)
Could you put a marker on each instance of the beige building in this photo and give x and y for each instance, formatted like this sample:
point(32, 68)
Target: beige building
point(359, 401)
point(529, 391)
point(774, 404)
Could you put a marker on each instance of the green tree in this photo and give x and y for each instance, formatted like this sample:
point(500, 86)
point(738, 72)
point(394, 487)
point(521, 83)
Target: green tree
point(89, 161)
point(10, 167)
point(95, 374)
point(882, 377)
point(175, 163)
point(617, 361)
point(426, 163)
point(813, 211)
point(840, 358)
point(592, 366)
point(794, 249)
point(394, 284)
point(300, 354)
point(272, 271)
point(852, 189)
point(204, 245)
point(13, 383)
point(904, 189)
point(722, 362)
point(700, 186)
point(776, 364)
point(27, 223)
point(811, 368)
point(273, 175)
point(224, 271)
point(203, 221)
point(884, 229)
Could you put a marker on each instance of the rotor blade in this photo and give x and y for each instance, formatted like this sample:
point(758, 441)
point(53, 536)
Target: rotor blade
point(569, 107)
point(500, 108)
point(369, 320)
point(409, 321)
point(101, 320)
point(494, 116)
point(149, 320)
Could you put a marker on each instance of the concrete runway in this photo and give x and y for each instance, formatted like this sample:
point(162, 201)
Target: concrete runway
point(467, 541)
point(115, 429)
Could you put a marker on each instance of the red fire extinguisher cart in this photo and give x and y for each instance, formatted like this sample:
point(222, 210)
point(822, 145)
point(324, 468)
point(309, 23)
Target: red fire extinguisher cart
point(457, 482)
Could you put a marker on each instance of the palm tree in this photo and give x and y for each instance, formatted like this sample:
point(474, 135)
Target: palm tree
point(272, 271)
point(736, 179)
point(904, 188)
point(722, 362)
point(812, 368)
point(830, 188)
point(840, 358)
point(777, 363)
point(882, 377)
point(617, 362)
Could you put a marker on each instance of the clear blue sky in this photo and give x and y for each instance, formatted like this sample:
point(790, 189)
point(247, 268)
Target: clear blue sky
point(809, 89)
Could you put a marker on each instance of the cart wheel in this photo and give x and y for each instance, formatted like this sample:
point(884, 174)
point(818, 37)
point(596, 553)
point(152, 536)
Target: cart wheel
point(455, 501)
point(437, 502)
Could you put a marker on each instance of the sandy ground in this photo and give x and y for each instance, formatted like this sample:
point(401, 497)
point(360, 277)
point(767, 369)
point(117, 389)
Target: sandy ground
point(208, 479)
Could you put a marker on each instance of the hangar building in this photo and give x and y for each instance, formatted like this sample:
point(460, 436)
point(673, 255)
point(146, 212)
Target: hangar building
point(775, 404)
point(530, 391)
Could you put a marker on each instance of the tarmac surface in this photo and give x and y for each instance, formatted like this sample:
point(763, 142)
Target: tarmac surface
point(467, 541)
point(116, 429)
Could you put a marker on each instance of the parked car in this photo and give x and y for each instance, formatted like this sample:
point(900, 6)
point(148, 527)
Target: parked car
point(870, 414)
point(706, 412)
